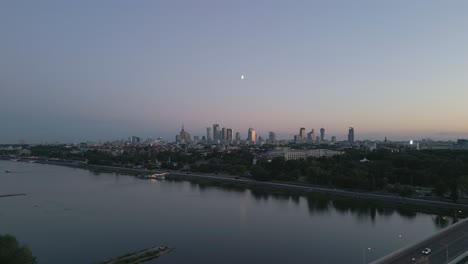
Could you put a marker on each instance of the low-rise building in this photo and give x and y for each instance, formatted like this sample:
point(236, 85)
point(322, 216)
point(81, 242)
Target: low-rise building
point(295, 154)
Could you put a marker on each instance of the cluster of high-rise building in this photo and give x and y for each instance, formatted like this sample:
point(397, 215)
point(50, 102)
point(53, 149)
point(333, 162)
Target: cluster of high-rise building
point(222, 135)
point(218, 135)
point(311, 138)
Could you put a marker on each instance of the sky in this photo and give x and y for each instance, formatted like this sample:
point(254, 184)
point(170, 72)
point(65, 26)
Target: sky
point(101, 70)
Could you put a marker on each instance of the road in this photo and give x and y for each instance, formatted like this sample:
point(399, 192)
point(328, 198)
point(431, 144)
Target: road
point(447, 244)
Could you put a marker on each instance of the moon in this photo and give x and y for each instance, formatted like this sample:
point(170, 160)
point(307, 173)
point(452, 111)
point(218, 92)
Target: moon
point(242, 77)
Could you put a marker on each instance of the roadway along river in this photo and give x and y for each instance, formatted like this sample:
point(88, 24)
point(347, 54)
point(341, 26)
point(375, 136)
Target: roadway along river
point(77, 216)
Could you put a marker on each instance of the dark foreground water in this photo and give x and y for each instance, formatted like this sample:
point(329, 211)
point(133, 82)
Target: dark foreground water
point(78, 216)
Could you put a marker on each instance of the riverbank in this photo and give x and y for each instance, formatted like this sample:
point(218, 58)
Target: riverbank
point(299, 188)
point(11, 195)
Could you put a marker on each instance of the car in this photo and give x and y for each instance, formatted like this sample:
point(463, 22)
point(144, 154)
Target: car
point(426, 251)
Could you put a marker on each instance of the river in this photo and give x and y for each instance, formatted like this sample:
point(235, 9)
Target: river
point(72, 215)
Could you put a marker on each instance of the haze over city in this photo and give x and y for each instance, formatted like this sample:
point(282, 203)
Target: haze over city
point(90, 70)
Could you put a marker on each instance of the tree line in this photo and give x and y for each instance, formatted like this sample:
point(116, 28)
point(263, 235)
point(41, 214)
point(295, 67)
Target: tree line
point(444, 171)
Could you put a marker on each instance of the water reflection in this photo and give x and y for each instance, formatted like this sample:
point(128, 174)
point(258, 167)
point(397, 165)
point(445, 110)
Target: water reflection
point(316, 204)
point(406, 213)
point(259, 194)
point(295, 198)
point(441, 221)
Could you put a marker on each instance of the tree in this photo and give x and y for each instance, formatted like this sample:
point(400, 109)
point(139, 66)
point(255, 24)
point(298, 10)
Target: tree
point(260, 174)
point(440, 188)
point(11, 252)
point(407, 191)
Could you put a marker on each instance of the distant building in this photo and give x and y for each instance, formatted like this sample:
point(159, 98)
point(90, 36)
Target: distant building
point(351, 135)
point(272, 137)
point(290, 154)
point(333, 139)
point(229, 134)
point(297, 139)
point(260, 140)
point(311, 136)
point(216, 132)
point(237, 136)
point(134, 140)
point(302, 134)
point(251, 136)
point(461, 144)
point(322, 134)
point(224, 134)
point(209, 134)
point(184, 136)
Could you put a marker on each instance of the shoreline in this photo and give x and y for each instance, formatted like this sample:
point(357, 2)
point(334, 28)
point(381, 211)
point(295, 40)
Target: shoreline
point(12, 195)
point(301, 189)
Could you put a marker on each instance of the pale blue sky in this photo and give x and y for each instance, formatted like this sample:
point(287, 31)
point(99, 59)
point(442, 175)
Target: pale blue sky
point(78, 70)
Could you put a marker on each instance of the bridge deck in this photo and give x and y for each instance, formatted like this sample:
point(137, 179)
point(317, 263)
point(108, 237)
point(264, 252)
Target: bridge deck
point(446, 245)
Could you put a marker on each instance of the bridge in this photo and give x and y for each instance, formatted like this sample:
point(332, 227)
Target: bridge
point(448, 246)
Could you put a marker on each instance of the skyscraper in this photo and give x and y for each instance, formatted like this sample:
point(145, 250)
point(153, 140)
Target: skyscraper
point(209, 134)
point(351, 135)
point(134, 140)
point(237, 136)
point(272, 137)
point(224, 134)
point(184, 136)
point(251, 136)
point(229, 134)
point(302, 134)
point(311, 136)
point(322, 134)
point(216, 132)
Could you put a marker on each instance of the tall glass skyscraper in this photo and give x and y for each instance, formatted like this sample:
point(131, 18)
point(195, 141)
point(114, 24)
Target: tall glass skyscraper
point(216, 132)
point(351, 135)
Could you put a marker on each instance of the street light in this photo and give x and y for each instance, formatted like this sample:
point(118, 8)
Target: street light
point(364, 253)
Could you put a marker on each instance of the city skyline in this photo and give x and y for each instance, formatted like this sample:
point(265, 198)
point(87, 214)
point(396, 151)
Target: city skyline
point(343, 135)
point(84, 70)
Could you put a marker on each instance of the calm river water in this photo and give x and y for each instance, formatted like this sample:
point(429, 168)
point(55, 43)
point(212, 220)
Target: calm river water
point(78, 216)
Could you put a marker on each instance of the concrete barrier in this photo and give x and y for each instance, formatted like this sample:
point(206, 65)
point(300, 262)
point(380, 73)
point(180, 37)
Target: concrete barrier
point(459, 258)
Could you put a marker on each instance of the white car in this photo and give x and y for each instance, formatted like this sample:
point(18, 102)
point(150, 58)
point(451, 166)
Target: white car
point(426, 251)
